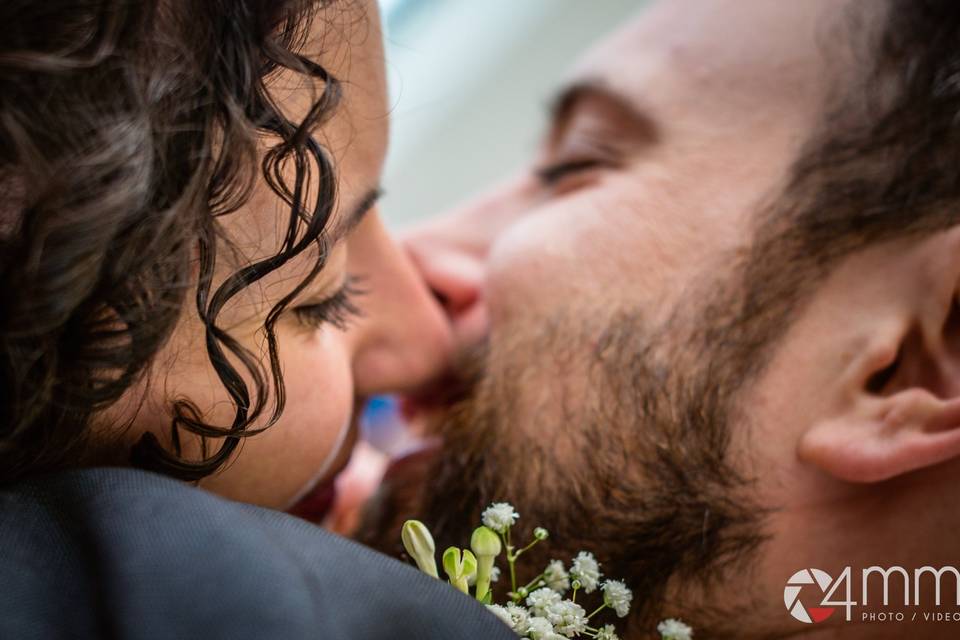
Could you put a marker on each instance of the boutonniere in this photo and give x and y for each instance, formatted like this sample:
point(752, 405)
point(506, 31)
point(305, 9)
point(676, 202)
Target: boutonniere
point(540, 609)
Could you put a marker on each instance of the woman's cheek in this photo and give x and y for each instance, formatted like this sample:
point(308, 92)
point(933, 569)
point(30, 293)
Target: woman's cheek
point(320, 399)
point(277, 466)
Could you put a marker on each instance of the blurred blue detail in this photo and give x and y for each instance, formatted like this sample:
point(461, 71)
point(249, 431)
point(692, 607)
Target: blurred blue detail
point(380, 422)
point(395, 11)
point(383, 426)
point(380, 410)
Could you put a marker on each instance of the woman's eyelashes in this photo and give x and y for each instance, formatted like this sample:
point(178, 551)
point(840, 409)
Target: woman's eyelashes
point(338, 310)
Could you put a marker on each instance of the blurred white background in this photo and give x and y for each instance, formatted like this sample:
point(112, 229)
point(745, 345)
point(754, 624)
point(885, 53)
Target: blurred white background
point(469, 81)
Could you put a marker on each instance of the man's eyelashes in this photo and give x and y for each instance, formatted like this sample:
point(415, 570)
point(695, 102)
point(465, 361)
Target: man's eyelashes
point(338, 310)
point(555, 172)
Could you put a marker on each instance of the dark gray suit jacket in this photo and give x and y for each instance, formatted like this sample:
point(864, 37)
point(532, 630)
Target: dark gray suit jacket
point(118, 553)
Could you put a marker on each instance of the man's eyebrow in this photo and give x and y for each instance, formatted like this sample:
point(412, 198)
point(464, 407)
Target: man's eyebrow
point(566, 100)
point(355, 216)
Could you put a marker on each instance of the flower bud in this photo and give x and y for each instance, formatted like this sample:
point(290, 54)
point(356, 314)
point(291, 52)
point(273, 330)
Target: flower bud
point(419, 544)
point(459, 566)
point(452, 562)
point(469, 563)
point(487, 546)
point(541, 534)
point(485, 543)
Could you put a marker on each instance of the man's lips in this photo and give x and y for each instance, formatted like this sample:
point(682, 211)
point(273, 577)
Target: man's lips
point(448, 389)
point(439, 397)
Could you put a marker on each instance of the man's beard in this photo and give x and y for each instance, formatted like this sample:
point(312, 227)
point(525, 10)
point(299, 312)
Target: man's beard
point(615, 439)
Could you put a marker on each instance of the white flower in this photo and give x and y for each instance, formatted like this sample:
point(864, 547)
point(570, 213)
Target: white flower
point(519, 619)
point(500, 516)
point(501, 613)
point(586, 569)
point(556, 577)
point(617, 596)
point(513, 616)
point(540, 600)
point(671, 629)
point(568, 618)
point(607, 633)
point(541, 629)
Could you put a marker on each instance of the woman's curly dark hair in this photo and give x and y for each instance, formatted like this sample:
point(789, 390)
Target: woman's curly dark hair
point(126, 130)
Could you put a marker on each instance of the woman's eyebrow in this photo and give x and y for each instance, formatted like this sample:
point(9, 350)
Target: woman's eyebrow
point(353, 219)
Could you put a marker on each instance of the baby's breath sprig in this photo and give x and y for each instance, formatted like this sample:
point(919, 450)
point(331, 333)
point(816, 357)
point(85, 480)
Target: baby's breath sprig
point(671, 629)
point(500, 518)
point(536, 610)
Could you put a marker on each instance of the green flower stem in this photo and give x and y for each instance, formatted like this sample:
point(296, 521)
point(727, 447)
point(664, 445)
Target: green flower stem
point(511, 561)
point(598, 610)
point(533, 583)
point(512, 555)
point(484, 571)
point(526, 548)
point(573, 597)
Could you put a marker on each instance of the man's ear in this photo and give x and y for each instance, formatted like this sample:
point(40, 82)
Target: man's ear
point(901, 411)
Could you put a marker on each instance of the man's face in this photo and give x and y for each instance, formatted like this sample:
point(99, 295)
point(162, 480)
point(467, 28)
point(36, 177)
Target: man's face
point(646, 387)
point(593, 270)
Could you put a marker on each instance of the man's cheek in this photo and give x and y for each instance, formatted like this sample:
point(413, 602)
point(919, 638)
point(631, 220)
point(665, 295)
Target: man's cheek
point(539, 266)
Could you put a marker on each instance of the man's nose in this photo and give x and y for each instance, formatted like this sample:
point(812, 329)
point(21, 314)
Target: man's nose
point(403, 340)
point(451, 262)
point(451, 252)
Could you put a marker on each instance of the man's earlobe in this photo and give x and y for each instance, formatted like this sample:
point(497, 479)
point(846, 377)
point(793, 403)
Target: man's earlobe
point(886, 437)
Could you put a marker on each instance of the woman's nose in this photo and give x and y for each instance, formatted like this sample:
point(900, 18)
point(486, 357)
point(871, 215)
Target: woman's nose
point(403, 341)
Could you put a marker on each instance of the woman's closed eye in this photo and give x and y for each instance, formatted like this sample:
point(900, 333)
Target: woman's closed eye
point(338, 310)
